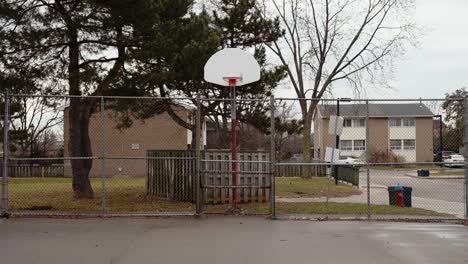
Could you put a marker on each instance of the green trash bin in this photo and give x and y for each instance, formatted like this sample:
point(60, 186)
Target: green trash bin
point(423, 173)
point(406, 195)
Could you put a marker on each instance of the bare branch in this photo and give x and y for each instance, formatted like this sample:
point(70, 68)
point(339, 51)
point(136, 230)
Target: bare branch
point(328, 41)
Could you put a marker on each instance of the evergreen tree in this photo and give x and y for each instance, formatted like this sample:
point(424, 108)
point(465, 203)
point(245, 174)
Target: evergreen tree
point(454, 113)
point(90, 45)
point(234, 23)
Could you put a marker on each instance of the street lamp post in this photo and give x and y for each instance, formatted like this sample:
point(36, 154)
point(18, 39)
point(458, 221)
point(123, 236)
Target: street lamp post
point(337, 139)
point(441, 141)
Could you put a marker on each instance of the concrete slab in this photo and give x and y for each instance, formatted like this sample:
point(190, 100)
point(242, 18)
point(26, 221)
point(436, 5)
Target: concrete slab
point(228, 240)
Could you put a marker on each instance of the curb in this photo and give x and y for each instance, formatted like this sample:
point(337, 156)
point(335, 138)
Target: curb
point(436, 178)
point(403, 219)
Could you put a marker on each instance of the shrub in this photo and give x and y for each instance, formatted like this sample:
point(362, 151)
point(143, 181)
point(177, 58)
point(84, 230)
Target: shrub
point(380, 156)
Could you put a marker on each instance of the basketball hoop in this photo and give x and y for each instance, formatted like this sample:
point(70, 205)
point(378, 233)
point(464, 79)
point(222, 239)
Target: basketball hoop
point(232, 63)
point(232, 67)
point(232, 80)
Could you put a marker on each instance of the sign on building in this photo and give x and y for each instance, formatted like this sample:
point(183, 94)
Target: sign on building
point(332, 155)
point(335, 127)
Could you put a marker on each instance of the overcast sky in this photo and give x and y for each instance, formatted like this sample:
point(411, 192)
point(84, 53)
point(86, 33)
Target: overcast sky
point(439, 65)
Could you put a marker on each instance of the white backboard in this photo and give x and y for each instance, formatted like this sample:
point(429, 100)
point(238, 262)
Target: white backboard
point(332, 155)
point(232, 62)
point(335, 127)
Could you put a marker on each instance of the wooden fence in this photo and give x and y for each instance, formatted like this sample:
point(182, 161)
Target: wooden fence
point(35, 171)
point(253, 177)
point(171, 175)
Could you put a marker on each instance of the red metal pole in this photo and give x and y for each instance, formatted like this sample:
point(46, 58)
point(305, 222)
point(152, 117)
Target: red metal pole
point(234, 163)
point(232, 83)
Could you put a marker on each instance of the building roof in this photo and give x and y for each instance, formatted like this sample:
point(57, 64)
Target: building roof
point(377, 110)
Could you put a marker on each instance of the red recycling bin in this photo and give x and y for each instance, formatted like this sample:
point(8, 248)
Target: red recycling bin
point(399, 197)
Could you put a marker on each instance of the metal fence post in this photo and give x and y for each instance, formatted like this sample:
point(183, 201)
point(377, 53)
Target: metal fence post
point(272, 158)
point(465, 145)
point(5, 156)
point(367, 161)
point(103, 158)
point(198, 182)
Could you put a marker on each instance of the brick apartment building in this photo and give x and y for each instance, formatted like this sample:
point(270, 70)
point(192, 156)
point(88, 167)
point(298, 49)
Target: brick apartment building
point(405, 130)
point(158, 132)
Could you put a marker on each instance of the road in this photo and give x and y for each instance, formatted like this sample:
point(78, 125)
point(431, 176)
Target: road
point(442, 195)
point(228, 240)
point(442, 189)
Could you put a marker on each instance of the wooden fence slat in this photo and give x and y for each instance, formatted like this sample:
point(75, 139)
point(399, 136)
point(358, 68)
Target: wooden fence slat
point(35, 171)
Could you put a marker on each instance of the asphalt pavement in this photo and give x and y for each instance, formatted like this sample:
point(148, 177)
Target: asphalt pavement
point(228, 240)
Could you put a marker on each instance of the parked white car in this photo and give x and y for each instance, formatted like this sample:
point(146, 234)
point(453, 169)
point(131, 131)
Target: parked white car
point(350, 161)
point(455, 160)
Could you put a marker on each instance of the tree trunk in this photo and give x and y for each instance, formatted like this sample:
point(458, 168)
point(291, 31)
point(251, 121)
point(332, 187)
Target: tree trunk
point(80, 146)
point(79, 114)
point(306, 144)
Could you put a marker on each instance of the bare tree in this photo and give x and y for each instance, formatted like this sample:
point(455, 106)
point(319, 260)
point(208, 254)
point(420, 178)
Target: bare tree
point(287, 129)
point(329, 41)
point(49, 145)
point(39, 116)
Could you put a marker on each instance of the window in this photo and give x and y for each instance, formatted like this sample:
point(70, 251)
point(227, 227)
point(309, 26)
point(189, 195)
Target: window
point(360, 122)
point(395, 122)
point(406, 122)
point(346, 145)
point(409, 122)
point(402, 144)
point(409, 144)
point(347, 123)
point(350, 145)
point(359, 145)
point(135, 146)
point(395, 144)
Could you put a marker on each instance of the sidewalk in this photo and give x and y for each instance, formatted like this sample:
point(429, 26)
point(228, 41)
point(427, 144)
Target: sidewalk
point(441, 177)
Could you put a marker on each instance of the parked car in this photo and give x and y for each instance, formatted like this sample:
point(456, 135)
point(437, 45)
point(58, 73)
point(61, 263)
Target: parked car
point(443, 155)
point(455, 160)
point(351, 161)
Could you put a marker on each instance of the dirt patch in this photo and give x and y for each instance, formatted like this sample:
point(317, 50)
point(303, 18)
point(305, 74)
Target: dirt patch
point(332, 194)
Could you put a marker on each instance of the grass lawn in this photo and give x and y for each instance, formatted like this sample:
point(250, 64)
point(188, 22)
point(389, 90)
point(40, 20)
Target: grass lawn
point(444, 172)
point(122, 195)
point(128, 195)
point(294, 187)
point(323, 208)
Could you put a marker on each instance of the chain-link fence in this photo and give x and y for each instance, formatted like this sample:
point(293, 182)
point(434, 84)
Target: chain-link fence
point(384, 159)
point(394, 159)
point(99, 155)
